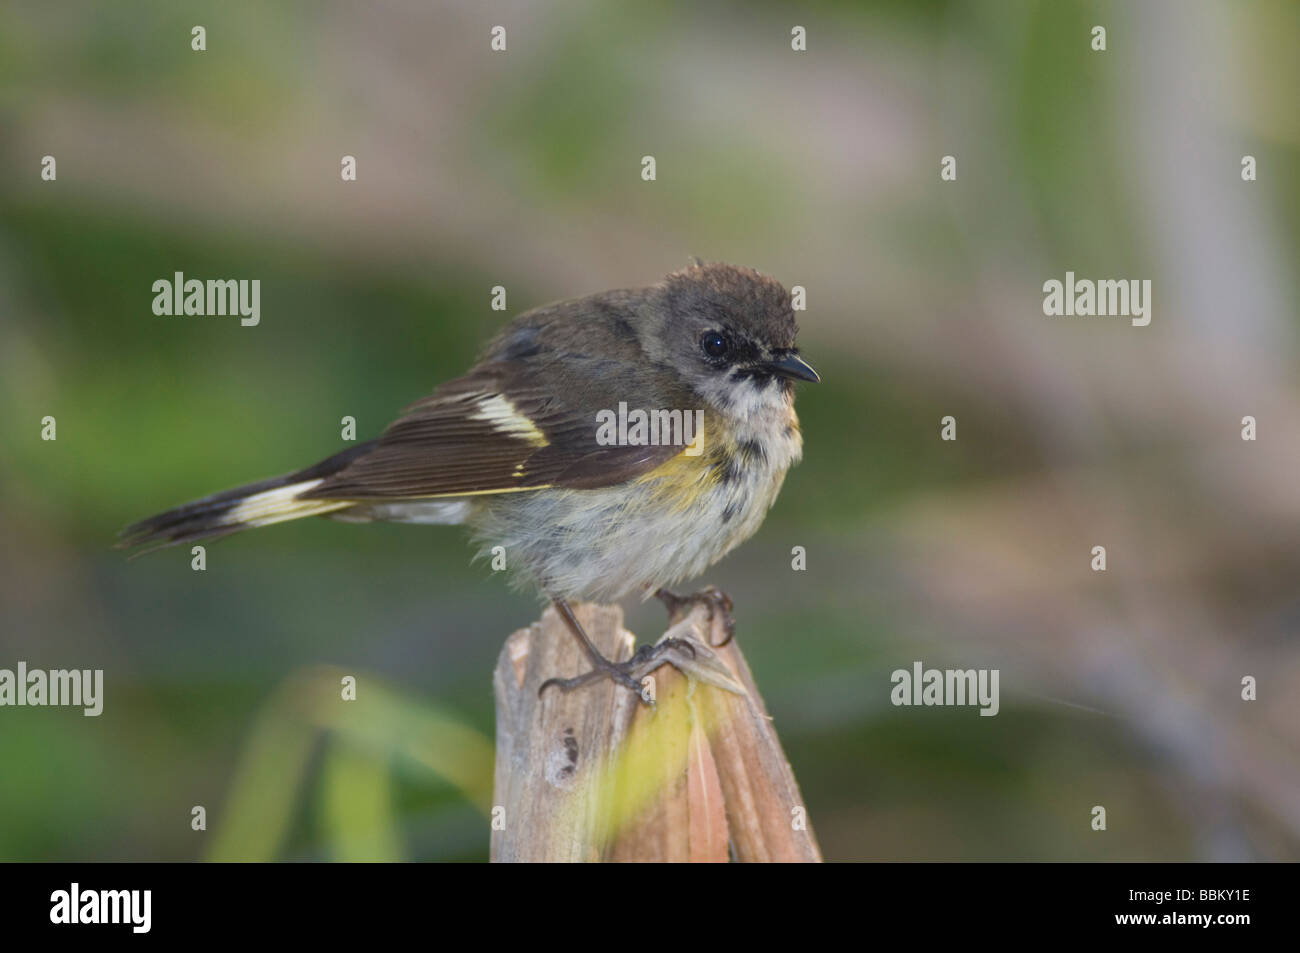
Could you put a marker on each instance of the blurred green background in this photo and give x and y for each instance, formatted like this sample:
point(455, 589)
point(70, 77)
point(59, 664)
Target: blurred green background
point(523, 169)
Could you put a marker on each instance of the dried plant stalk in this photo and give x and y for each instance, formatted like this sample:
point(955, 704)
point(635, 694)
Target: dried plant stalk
point(595, 775)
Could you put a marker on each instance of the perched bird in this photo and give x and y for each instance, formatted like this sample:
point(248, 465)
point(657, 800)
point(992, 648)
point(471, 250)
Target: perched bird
point(524, 448)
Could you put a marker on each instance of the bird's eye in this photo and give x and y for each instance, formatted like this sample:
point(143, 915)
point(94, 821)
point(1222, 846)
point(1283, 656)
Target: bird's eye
point(715, 344)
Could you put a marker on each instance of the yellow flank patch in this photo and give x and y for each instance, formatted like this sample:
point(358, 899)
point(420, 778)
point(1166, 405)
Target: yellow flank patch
point(506, 418)
point(681, 480)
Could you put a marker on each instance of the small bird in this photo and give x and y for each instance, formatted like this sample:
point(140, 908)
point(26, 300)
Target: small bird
point(525, 451)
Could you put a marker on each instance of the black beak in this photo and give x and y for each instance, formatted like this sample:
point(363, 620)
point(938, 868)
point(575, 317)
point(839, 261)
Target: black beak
point(791, 365)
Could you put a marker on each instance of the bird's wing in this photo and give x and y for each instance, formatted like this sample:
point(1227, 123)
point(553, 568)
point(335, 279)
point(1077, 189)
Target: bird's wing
point(506, 427)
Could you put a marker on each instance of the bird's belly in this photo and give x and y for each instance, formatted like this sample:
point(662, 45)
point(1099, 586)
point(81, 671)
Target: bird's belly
point(653, 532)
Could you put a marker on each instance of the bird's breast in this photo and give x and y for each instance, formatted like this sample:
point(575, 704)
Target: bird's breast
point(667, 525)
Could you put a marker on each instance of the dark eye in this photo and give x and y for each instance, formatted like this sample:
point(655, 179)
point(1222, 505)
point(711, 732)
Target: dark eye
point(715, 344)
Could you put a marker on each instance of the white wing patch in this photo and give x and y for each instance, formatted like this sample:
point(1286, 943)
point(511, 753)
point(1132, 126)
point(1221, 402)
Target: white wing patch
point(506, 418)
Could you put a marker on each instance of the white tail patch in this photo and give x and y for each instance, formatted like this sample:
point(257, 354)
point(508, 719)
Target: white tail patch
point(281, 504)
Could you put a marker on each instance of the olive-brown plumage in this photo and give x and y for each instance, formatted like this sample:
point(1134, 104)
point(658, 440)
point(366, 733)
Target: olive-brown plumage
point(513, 448)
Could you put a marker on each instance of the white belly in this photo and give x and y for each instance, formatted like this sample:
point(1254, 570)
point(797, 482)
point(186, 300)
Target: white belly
point(601, 545)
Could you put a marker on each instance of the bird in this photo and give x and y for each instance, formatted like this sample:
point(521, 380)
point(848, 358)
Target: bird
point(523, 449)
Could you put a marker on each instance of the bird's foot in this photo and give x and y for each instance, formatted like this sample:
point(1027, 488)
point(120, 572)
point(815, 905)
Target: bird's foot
point(717, 601)
point(629, 674)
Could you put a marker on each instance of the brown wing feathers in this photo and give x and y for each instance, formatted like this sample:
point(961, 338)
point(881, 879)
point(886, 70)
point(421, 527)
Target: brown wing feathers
point(516, 422)
point(491, 431)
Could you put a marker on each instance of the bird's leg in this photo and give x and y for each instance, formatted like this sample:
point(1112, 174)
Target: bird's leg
point(624, 673)
point(711, 596)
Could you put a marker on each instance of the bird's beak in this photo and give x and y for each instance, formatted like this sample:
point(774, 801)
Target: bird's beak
point(791, 365)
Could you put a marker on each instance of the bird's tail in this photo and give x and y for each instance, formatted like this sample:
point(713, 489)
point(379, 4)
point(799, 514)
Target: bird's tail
point(257, 504)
